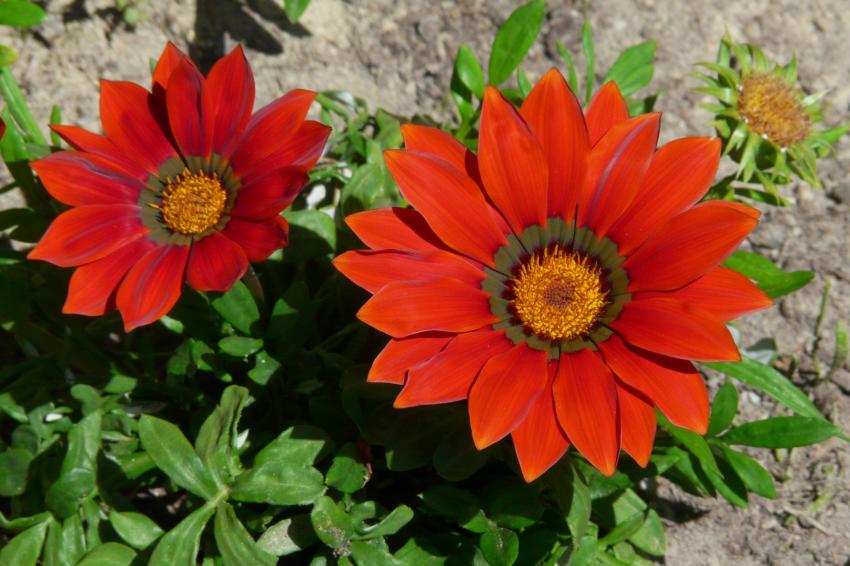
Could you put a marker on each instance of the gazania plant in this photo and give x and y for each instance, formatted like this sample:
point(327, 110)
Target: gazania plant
point(362, 338)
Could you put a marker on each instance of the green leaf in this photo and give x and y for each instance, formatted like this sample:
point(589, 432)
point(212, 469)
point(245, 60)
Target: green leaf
point(294, 9)
point(7, 56)
point(572, 496)
point(77, 477)
point(371, 553)
point(723, 409)
point(299, 445)
point(236, 545)
point(332, 524)
point(174, 455)
point(500, 547)
point(109, 554)
point(135, 529)
point(312, 233)
point(469, 71)
point(512, 503)
point(633, 69)
point(346, 474)
point(279, 483)
point(264, 368)
point(66, 542)
point(20, 13)
point(571, 68)
point(24, 549)
point(693, 443)
point(590, 58)
point(240, 346)
point(456, 457)
point(781, 432)
point(179, 546)
point(753, 474)
point(216, 442)
point(68, 492)
point(14, 470)
point(389, 525)
point(771, 279)
point(767, 379)
point(237, 307)
point(288, 536)
point(449, 501)
point(363, 189)
point(513, 40)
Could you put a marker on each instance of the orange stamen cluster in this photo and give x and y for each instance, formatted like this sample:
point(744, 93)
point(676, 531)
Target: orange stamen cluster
point(192, 203)
point(558, 294)
point(772, 108)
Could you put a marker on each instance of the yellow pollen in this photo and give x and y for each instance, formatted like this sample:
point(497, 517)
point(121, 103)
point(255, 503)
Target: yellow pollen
point(192, 202)
point(772, 108)
point(558, 295)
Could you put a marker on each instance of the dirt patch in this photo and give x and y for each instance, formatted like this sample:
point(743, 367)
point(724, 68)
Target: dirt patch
point(397, 55)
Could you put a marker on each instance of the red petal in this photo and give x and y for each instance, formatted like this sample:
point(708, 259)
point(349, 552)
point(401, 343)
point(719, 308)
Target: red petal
point(674, 386)
point(152, 286)
point(679, 175)
point(505, 390)
point(586, 405)
point(513, 166)
point(442, 144)
point(554, 115)
point(227, 101)
point(637, 422)
point(398, 356)
point(606, 110)
point(259, 240)
point(260, 198)
point(270, 127)
point(690, 245)
point(676, 329)
point(92, 288)
point(76, 178)
point(216, 263)
point(403, 308)
point(183, 101)
point(617, 165)
point(302, 149)
point(101, 146)
point(394, 228)
point(372, 270)
point(722, 292)
point(448, 376)
point(126, 113)
point(456, 211)
point(168, 61)
point(539, 441)
point(88, 233)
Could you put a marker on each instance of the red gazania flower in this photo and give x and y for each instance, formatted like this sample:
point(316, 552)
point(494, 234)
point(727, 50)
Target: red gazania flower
point(562, 280)
point(185, 185)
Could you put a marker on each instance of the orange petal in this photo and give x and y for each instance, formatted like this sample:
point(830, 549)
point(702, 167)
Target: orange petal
point(539, 441)
point(76, 178)
point(400, 355)
point(402, 308)
point(87, 233)
point(183, 101)
point(394, 228)
point(448, 376)
point(586, 405)
point(503, 393)
point(637, 421)
point(554, 115)
point(101, 146)
point(690, 245)
point(216, 263)
point(679, 175)
point(606, 110)
point(675, 329)
point(722, 292)
point(265, 196)
point(674, 386)
point(442, 144)
point(372, 270)
point(449, 200)
point(152, 286)
point(302, 149)
point(226, 103)
point(512, 164)
point(617, 165)
point(168, 61)
point(259, 240)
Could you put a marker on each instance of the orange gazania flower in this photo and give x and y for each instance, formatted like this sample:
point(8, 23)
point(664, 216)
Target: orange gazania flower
point(561, 280)
point(185, 185)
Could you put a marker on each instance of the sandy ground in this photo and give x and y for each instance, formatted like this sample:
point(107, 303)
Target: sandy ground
point(397, 55)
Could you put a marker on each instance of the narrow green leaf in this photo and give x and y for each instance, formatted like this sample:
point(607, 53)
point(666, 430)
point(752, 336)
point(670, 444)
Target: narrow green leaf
point(332, 524)
point(236, 545)
point(572, 79)
point(771, 279)
point(633, 69)
point(238, 307)
point(24, 549)
point(389, 525)
point(16, 104)
point(693, 443)
point(216, 442)
point(513, 40)
point(590, 59)
point(469, 71)
point(135, 529)
point(842, 348)
point(723, 409)
point(20, 13)
point(781, 432)
point(109, 554)
point(179, 546)
point(753, 474)
point(294, 9)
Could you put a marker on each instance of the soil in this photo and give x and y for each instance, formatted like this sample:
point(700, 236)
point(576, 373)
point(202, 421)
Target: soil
point(398, 55)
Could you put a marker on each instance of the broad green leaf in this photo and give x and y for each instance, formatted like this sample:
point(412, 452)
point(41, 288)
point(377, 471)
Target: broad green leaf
point(469, 71)
point(294, 9)
point(623, 530)
point(288, 536)
point(238, 307)
point(633, 69)
point(513, 40)
point(512, 503)
point(781, 432)
point(369, 553)
point(235, 543)
point(24, 549)
point(767, 379)
point(216, 442)
point(650, 536)
point(109, 554)
point(723, 409)
point(300, 445)
point(572, 496)
point(363, 189)
point(68, 492)
point(456, 457)
point(240, 346)
point(449, 501)
point(389, 525)
point(14, 469)
point(500, 547)
point(346, 473)
point(65, 543)
point(264, 368)
point(279, 483)
point(771, 279)
point(754, 476)
point(20, 13)
point(312, 233)
point(135, 529)
point(179, 546)
point(332, 524)
point(175, 456)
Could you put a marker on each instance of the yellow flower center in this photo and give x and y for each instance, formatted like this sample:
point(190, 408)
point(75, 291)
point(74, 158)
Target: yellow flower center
point(558, 294)
point(192, 202)
point(772, 108)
